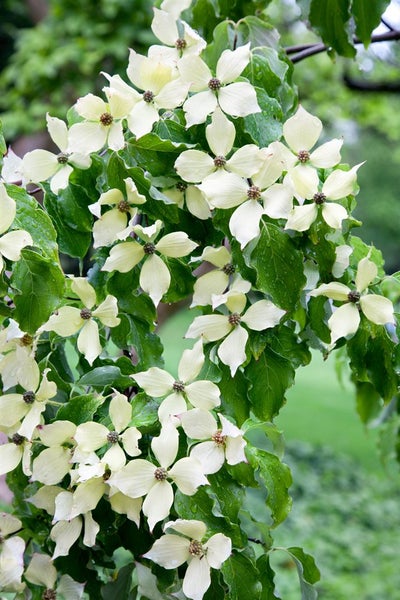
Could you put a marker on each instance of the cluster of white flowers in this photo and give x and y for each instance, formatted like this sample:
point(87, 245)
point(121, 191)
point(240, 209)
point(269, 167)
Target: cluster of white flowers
point(286, 182)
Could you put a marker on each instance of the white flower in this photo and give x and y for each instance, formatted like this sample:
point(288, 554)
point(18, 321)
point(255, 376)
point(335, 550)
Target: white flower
point(14, 452)
point(226, 442)
point(142, 478)
point(166, 30)
point(11, 171)
point(338, 184)
point(91, 436)
point(346, 319)
point(13, 242)
point(236, 99)
point(11, 554)
point(158, 383)
point(53, 463)
point(185, 545)
point(196, 202)
point(161, 89)
point(175, 7)
point(27, 406)
point(103, 122)
point(301, 133)
point(215, 281)
point(40, 165)
point(17, 358)
point(232, 351)
point(41, 571)
point(69, 319)
point(195, 166)
point(154, 277)
point(112, 223)
point(227, 190)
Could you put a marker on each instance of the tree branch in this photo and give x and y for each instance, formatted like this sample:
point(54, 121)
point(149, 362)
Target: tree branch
point(371, 86)
point(302, 52)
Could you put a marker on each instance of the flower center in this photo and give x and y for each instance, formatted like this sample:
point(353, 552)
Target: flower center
point(149, 248)
point(178, 386)
point(234, 319)
point(112, 437)
point(107, 474)
point(218, 438)
point(123, 206)
point(106, 119)
point(214, 84)
point(353, 296)
point(319, 198)
point(303, 156)
point(26, 340)
point(86, 314)
point(229, 269)
point(17, 439)
point(29, 397)
point(254, 192)
point(49, 594)
point(181, 186)
point(161, 474)
point(219, 161)
point(148, 96)
point(196, 548)
point(62, 158)
point(180, 44)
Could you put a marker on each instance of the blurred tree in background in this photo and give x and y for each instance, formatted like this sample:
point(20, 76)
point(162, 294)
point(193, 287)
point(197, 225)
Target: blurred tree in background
point(53, 51)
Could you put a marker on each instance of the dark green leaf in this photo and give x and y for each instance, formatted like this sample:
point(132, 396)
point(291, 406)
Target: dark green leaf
point(39, 284)
point(242, 577)
point(144, 411)
point(369, 402)
point(119, 587)
point(277, 479)
point(258, 32)
point(330, 19)
point(269, 377)
point(234, 395)
point(182, 281)
point(279, 266)
point(80, 409)
point(205, 19)
point(136, 333)
point(267, 578)
point(109, 375)
point(264, 127)
point(317, 310)
point(367, 15)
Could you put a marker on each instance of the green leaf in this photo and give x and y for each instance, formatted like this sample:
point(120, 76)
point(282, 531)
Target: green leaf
point(109, 375)
point(134, 332)
point(330, 18)
point(279, 266)
point(267, 578)
point(264, 127)
point(307, 571)
point(269, 377)
point(228, 495)
point(242, 577)
point(234, 395)
point(31, 217)
point(258, 32)
point(277, 479)
point(271, 432)
point(205, 19)
point(317, 311)
point(369, 402)
point(182, 281)
point(39, 284)
point(80, 409)
point(367, 15)
point(3, 145)
point(144, 411)
point(121, 586)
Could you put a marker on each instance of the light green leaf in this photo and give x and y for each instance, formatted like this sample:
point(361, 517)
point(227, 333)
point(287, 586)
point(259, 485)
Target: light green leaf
point(39, 284)
point(307, 571)
point(3, 145)
point(277, 479)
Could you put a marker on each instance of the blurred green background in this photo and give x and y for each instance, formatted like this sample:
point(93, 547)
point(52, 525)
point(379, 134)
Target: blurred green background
point(345, 503)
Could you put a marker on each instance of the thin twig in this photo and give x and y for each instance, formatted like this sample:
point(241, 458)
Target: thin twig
point(313, 49)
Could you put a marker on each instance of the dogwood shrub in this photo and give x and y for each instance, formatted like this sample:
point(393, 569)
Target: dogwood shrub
point(196, 180)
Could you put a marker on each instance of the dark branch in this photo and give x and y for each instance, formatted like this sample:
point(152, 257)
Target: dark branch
point(302, 52)
point(371, 86)
point(387, 24)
